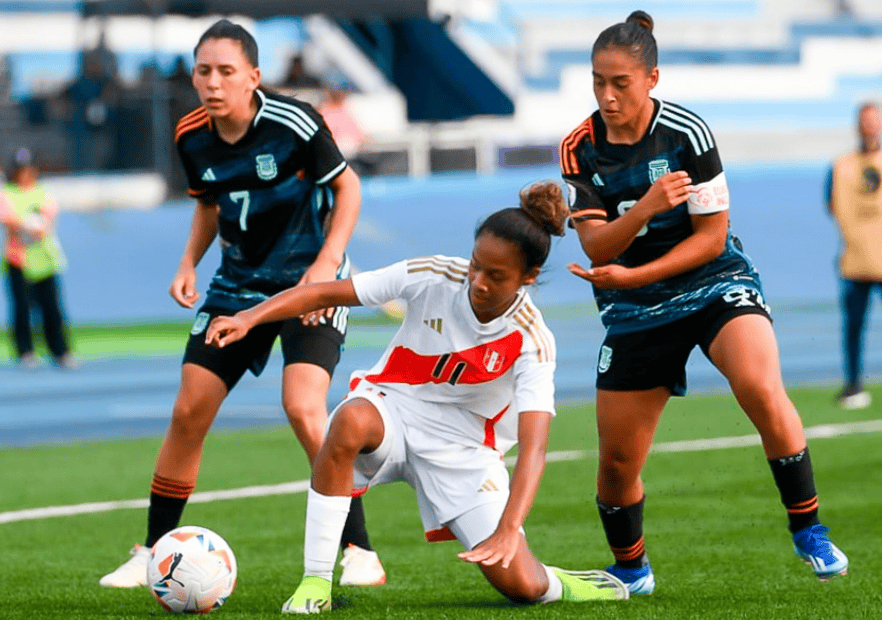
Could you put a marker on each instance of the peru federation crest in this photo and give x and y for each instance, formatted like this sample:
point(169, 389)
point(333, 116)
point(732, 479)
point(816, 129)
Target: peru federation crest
point(657, 169)
point(266, 166)
point(493, 360)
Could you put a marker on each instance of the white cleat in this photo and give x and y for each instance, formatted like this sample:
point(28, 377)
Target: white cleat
point(132, 574)
point(361, 568)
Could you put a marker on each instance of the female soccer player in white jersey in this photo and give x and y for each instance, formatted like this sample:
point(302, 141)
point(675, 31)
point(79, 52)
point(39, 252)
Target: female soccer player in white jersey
point(266, 175)
point(649, 201)
point(468, 375)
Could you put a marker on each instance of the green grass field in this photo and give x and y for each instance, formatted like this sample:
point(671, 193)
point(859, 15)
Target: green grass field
point(715, 528)
point(162, 338)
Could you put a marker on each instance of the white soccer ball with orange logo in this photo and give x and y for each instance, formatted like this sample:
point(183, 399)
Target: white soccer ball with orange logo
point(193, 570)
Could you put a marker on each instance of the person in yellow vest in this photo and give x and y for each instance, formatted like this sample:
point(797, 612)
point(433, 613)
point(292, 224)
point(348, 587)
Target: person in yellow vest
point(32, 260)
point(854, 197)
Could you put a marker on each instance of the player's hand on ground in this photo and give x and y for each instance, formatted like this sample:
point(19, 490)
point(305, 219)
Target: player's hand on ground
point(183, 288)
point(669, 191)
point(607, 276)
point(318, 272)
point(500, 548)
point(225, 330)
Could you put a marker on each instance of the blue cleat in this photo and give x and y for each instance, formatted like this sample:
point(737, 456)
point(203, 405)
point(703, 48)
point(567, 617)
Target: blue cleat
point(813, 547)
point(638, 580)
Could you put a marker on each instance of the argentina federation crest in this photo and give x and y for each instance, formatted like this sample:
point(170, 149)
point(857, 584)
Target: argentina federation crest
point(657, 169)
point(266, 166)
point(493, 360)
point(605, 359)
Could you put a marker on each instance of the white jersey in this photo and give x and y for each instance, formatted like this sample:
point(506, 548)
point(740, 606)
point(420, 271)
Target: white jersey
point(487, 373)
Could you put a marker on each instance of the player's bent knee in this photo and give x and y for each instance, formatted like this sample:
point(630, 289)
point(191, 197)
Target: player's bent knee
point(190, 420)
point(354, 426)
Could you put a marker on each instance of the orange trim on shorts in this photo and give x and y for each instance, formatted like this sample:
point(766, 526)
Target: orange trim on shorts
point(440, 535)
point(359, 491)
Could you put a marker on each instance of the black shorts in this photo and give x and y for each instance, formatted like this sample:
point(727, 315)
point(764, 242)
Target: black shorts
point(657, 357)
point(312, 344)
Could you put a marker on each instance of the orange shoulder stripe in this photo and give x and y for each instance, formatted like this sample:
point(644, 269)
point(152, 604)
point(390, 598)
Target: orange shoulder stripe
point(593, 212)
point(191, 121)
point(568, 161)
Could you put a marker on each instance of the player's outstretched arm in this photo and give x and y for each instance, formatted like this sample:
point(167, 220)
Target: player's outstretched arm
point(285, 305)
point(502, 545)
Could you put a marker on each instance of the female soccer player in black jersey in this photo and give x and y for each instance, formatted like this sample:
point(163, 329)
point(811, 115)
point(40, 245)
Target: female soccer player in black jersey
point(270, 181)
point(649, 201)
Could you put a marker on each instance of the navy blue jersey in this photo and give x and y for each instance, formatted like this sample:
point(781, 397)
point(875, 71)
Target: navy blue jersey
point(270, 191)
point(605, 180)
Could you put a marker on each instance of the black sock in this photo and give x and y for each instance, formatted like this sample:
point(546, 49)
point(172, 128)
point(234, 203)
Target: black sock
point(355, 530)
point(624, 533)
point(796, 483)
point(163, 516)
point(167, 500)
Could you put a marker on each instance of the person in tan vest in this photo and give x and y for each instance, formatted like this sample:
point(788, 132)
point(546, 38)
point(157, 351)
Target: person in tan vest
point(854, 197)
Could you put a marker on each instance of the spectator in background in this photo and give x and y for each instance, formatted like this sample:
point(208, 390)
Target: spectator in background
point(335, 110)
point(32, 261)
point(854, 198)
point(346, 131)
point(297, 76)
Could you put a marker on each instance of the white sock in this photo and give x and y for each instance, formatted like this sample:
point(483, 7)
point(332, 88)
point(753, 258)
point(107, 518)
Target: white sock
point(325, 518)
point(555, 587)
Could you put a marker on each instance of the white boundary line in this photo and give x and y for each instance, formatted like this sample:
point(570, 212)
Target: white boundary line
point(300, 486)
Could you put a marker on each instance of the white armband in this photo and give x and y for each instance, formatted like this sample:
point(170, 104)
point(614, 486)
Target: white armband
point(709, 197)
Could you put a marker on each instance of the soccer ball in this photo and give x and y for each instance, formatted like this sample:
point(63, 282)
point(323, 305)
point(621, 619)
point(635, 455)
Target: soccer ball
point(192, 570)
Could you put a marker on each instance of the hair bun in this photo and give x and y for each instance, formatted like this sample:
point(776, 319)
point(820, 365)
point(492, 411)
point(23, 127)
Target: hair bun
point(544, 203)
point(642, 18)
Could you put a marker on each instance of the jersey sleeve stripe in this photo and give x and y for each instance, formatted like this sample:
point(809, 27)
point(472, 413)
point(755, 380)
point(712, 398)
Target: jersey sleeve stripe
point(530, 310)
point(332, 174)
point(568, 161)
point(454, 266)
point(309, 129)
point(194, 120)
point(702, 126)
point(307, 121)
point(689, 127)
point(541, 352)
point(693, 138)
point(288, 122)
point(443, 272)
point(589, 214)
point(700, 132)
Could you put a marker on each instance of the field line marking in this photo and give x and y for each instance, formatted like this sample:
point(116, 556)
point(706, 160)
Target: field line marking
point(300, 486)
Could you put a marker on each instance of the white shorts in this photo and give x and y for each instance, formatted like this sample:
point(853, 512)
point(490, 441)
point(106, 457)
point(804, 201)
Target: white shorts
point(451, 480)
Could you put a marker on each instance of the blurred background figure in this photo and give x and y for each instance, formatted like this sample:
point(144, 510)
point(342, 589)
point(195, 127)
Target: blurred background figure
point(855, 201)
point(346, 131)
point(297, 77)
point(33, 260)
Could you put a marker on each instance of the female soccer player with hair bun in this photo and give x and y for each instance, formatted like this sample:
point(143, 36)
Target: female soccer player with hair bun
point(649, 201)
point(469, 374)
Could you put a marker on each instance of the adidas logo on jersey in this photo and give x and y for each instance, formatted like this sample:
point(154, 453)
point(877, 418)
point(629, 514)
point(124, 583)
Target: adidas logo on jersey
point(434, 324)
point(208, 175)
point(488, 486)
point(597, 180)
